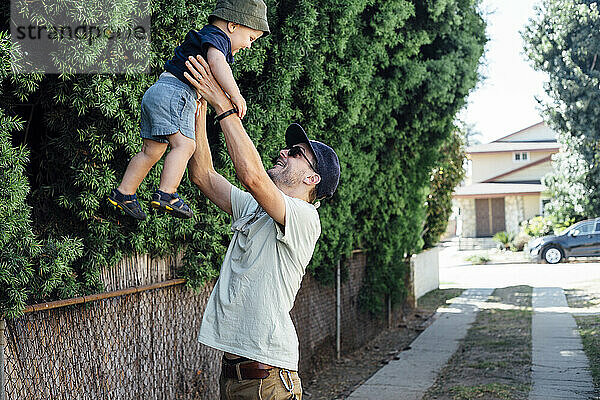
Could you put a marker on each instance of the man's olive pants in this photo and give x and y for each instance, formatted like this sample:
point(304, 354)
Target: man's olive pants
point(272, 387)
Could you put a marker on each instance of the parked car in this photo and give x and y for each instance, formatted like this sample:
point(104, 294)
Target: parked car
point(579, 240)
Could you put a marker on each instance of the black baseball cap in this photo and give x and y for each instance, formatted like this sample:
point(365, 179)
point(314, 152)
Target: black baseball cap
point(328, 164)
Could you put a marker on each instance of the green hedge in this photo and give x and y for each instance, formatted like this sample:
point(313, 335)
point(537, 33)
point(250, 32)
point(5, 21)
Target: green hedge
point(30, 269)
point(380, 81)
point(446, 175)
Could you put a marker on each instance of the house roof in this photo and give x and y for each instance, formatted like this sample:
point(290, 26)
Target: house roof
point(498, 147)
point(504, 138)
point(531, 164)
point(498, 189)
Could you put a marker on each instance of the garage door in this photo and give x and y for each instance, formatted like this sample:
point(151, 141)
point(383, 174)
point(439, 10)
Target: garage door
point(489, 214)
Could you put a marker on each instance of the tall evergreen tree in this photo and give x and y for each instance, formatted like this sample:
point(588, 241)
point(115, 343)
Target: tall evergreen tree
point(562, 40)
point(446, 175)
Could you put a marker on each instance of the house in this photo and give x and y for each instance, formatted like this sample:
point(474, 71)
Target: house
point(505, 185)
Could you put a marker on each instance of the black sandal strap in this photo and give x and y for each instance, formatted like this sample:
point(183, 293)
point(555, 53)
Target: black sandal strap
point(164, 196)
point(129, 197)
point(179, 204)
point(124, 197)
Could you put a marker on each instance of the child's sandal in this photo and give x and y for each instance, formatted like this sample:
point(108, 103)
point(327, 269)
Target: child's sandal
point(128, 203)
point(161, 201)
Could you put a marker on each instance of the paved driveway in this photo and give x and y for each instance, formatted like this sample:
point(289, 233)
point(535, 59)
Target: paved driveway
point(455, 273)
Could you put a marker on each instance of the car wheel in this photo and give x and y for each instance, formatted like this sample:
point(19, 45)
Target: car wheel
point(552, 255)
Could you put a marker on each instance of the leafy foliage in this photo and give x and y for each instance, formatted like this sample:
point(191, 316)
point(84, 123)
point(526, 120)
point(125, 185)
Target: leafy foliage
point(380, 81)
point(477, 259)
point(30, 269)
point(562, 41)
point(504, 239)
point(520, 241)
point(446, 175)
point(546, 225)
point(566, 185)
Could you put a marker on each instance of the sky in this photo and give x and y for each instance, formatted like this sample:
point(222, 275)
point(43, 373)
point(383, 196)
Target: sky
point(504, 101)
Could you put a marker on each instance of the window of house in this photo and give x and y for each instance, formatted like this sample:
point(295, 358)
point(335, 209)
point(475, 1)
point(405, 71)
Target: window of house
point(544, 202)
point(521, 156)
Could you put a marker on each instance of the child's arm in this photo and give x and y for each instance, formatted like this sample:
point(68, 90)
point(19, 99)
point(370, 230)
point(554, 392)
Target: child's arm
point(222, 73)
point(202, 171)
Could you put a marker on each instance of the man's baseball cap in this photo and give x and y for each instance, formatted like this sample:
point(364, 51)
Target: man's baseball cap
point(328, 164)
point(250, 13)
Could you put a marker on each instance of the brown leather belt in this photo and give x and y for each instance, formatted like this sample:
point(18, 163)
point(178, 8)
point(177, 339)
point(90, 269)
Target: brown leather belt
point(243, 368)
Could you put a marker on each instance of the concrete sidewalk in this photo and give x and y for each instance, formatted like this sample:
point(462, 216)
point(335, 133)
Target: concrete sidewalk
point(560, 368)
point(409, 377)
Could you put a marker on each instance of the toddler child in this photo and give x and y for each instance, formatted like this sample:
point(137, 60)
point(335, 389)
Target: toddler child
point(168, 106)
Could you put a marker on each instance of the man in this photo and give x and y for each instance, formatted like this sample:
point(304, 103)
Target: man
point(275, 228)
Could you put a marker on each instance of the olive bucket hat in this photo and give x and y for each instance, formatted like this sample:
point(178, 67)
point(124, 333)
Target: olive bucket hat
point(328, 164)
point(250, 13)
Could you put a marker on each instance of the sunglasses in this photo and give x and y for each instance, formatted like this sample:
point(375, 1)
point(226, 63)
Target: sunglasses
point(294, 151)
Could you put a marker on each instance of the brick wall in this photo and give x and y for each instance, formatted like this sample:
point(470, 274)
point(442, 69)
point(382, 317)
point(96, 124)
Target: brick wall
point(314, 315)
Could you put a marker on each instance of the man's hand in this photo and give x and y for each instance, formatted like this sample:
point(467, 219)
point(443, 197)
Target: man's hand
point(206, 85)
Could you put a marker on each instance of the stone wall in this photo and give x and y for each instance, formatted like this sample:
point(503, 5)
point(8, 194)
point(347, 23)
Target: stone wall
point(514, 212)
point(467, 217)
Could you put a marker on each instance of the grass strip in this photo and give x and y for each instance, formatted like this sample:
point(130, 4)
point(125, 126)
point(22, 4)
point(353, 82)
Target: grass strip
point(494, 359)
point(437, 298)
point(499, 391)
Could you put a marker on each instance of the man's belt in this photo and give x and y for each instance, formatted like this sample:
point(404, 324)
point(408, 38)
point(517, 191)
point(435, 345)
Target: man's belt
point(242, 368)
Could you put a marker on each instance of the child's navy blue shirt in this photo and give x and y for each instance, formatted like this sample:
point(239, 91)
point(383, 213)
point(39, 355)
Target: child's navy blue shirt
point(198, 42)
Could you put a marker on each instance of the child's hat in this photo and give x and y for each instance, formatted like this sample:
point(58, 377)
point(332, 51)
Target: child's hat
point(251, 13)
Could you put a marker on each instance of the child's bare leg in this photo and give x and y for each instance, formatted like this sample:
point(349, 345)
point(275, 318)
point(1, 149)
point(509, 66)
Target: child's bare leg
point(176, 162)
point(140, 165)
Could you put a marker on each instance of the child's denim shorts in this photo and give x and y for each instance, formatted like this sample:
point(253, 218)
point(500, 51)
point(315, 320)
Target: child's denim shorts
point(168, 106)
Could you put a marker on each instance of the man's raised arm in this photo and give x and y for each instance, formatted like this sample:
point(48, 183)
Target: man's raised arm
point(246, 160)
point(213, 185)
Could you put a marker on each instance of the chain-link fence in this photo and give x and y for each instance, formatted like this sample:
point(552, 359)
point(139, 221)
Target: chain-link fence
point(138, 343)
point(141, 342)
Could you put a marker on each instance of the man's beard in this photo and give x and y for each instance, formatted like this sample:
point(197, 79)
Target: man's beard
point(284, 177)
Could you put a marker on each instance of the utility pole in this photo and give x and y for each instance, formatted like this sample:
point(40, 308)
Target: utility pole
point(2, 346)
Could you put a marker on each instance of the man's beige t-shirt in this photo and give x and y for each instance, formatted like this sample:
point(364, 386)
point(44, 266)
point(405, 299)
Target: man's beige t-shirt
point(248, 312)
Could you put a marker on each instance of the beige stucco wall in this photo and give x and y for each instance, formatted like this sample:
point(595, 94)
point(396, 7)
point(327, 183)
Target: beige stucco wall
point(466, 220)
point(425, 271)
point(531, 206)
point(533, 133)
point(488, 165)
point(528, 174)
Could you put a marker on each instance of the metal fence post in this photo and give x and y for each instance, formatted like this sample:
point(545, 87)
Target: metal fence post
point(338, 312)
point(2, 345)
point(389, 311)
